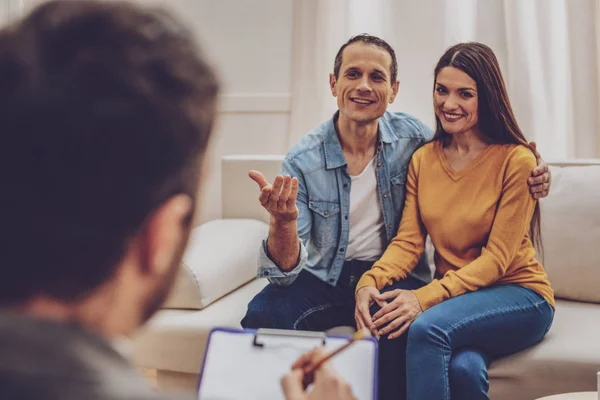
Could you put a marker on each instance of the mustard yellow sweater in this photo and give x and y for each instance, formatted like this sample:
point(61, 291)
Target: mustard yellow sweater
point(478, 220)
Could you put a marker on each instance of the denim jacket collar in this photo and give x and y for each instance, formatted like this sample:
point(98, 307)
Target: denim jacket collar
point(334, 156)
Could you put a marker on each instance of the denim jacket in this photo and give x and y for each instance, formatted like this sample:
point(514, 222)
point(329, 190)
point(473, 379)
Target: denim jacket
point(323, 198)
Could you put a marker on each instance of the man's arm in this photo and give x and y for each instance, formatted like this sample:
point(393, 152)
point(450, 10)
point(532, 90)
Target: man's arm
point(283, 243)
point(283, 254)
point(541, 177)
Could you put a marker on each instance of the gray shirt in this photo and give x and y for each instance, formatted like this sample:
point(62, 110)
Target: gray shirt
point(41, 359)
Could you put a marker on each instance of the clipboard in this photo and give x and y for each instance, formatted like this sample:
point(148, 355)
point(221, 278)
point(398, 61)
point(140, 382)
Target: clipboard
point(248, 364)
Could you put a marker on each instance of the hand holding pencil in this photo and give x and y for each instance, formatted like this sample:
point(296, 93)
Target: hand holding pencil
point(314, 367)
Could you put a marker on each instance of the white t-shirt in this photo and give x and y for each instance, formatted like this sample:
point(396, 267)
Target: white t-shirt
point(366, 240)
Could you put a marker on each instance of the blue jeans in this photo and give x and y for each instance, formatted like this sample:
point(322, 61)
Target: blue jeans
point(467, 369)
point(311, 304)
point(490, 323)
point(308, 304)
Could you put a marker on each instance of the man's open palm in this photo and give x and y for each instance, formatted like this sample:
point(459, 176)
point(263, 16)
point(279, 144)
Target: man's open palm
point(279, 199)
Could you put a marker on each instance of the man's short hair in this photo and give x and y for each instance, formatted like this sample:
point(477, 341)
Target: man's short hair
point(105, 112)
point(368, 39)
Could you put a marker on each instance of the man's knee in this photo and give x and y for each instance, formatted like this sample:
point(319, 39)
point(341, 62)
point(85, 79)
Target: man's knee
point(468, 368)
point(254, 314)
point(261, 313)
point(269, 309)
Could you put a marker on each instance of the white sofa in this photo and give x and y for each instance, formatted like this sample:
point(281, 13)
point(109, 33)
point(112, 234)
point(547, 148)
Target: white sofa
point(218, 280)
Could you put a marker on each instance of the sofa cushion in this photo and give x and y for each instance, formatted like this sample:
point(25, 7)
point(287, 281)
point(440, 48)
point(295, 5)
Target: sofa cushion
point(571, 233)
point(175, 340)
point(220, 257)
point(565, 361)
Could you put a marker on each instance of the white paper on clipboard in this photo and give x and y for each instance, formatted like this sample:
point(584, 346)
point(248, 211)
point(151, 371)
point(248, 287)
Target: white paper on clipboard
point(235, 368)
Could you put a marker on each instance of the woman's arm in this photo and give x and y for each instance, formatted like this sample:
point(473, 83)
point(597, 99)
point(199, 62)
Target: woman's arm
point(511, 224)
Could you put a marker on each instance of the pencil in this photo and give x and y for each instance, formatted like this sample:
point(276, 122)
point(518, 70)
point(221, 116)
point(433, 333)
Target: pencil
point(358, 335)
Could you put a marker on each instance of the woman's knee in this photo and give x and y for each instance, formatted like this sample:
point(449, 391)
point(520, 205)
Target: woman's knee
point(425, 328)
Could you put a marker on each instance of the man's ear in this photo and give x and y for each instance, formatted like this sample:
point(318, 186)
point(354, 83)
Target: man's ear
point(395, 87)
point(333, 84)
point(167, 230)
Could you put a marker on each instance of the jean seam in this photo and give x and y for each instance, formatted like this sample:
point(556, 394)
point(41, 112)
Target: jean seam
point(314, 310)
point(446, 374)
point(497, 311)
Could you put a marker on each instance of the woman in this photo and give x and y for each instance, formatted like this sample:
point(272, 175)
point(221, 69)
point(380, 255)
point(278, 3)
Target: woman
point(490, 295)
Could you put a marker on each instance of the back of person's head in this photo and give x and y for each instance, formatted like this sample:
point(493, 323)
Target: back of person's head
point(105, 114)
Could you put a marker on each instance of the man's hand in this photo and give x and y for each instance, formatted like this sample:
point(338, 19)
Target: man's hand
point(279, 199)
point(398, 314)
point(541, 177)
point(327, 384)
point(365, 297)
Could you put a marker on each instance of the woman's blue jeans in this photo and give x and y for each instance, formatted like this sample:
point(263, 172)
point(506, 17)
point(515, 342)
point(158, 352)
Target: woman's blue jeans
point(489, 323)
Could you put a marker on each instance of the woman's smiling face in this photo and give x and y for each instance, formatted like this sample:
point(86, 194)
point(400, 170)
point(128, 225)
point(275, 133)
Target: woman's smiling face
point(455, 100)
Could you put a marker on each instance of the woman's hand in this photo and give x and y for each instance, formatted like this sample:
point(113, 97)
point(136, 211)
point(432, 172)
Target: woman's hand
point(365, 297)
point(398, 314)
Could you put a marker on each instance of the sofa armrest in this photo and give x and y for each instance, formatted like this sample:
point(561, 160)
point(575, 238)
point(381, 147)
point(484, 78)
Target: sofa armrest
point(239, 192)
point(221, 257)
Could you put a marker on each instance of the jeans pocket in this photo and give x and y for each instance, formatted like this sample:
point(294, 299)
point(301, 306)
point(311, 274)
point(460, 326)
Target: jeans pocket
point(353, 281)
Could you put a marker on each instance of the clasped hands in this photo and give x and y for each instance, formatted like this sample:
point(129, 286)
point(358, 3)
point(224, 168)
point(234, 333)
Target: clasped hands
point(399, 308)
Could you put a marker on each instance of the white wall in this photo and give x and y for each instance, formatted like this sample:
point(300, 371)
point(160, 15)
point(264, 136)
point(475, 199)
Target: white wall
point(250, 44)
point(10, 9)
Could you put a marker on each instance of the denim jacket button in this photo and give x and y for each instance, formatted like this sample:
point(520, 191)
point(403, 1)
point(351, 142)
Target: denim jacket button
point(326, 213)
point(379, 164)
point(390, 226)
point(385, 196)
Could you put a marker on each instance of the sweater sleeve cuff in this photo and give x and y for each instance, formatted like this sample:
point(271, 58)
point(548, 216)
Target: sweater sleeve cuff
point(429, 295)
point(365, 280)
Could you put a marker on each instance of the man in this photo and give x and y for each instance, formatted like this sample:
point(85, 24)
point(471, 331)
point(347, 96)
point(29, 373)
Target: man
point(338, 204)
point(106, 111)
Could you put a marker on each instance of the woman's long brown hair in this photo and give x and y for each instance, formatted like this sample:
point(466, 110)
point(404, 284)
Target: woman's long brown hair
point(496, 119)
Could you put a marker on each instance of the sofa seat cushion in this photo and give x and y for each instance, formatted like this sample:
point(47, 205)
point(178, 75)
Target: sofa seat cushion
point(175, 340)
point(221, 256)
point(567, 360)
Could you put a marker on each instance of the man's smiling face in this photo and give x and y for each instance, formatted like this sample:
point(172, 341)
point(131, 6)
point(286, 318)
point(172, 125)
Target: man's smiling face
point(364, 87)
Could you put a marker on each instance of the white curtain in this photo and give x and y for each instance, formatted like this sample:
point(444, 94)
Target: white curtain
point(549, 52)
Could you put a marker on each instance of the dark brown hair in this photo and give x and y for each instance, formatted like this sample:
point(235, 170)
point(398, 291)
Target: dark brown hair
point(496, 119)
point(368, 39)
point(106, 110)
